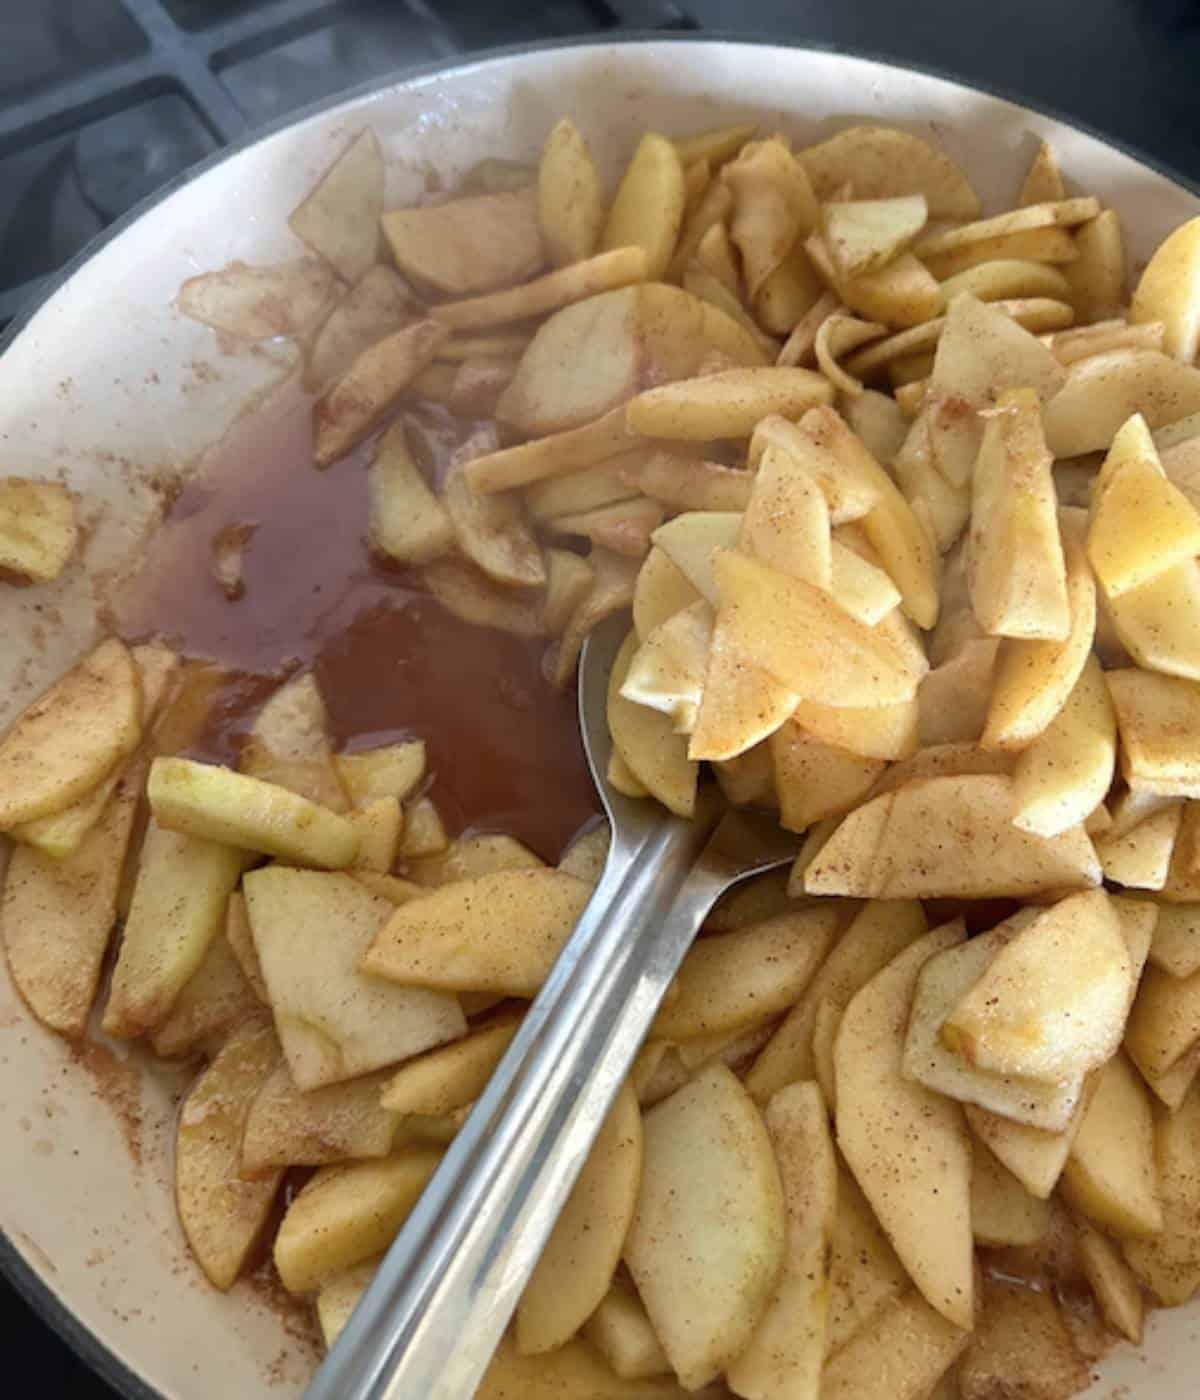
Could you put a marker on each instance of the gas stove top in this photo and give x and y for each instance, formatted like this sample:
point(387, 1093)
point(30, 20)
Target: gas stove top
point(104, 101)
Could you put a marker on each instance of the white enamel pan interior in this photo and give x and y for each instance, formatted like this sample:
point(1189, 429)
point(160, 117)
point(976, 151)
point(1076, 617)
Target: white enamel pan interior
point(107, 387)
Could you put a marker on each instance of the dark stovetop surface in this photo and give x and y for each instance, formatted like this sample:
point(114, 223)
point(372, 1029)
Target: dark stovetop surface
point(103, 100)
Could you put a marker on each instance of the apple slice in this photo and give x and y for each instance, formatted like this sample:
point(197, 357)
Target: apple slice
point(1111, 1174)
point(578, 1262)
point(882, 1115)
point(707, 1240)
point(1052, 1003)
point(71, 736)
point(287, 1126)
point(1169, 291)
point(335, 1022)
point(348, 1214)
point(497, 933)
point(786, 1353)
point(928, 1061)
point(222, 1215)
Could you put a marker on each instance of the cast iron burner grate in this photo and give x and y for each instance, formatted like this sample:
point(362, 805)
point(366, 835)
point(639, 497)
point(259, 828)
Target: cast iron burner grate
point(103, 101)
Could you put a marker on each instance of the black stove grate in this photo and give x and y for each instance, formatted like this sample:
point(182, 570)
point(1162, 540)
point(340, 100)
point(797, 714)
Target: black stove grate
point(103, 101)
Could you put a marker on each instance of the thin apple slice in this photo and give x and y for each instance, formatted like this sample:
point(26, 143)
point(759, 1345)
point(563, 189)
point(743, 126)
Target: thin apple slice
point(948, 837)
point(335, 1022)
point(648, 743)
point(929, 1062)
point(347, 1214)
point(1111, 1174)
point(287, 1126)
point(56, 916)
point(708, 1235)
point(577, 1264)
point(730, 981)
point(925, 1209)
point(71, 736)
point(785, 1355)
point(1052, 1003)
point(498, 933)
point(176, 911)
point(222, 1215)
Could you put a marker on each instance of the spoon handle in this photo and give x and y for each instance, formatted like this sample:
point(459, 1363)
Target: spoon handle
point(429, 1322)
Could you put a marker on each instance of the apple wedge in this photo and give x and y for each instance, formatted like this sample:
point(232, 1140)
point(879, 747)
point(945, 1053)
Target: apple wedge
point(692, 542)
point(1105, 390)
point(338, 1297)
point(214, 1000)
point(948, 837)
point(903, 1353)
point(786, 523)
point(1111, 1281)
point(928, 1061)
point(708, 1236)
point(1016, 573)
point(648, 742)
point(620, 1331)
point(1111, 1174)
point(1068, 769)
point(577, 1264)
point(1169, 291)
point(467, 245)
point(570, 198)
point(38, 528)
point(802, 638)
point(647, 209)
point(925, 1209)
point(590, 357)
point(71, 736)
point(289, 745)
point(340, 218)
point(740, 707)
point(347, 1214)
point(498, 933)
point(1033, 679)
point(815, 780)
point(785, 1355)
point(1165, 1021)
point(879, 932)
point(1168, 1263)
point(864, 234)
point(213, 803)
point(864, 1273)
point(287, 1126)
point(359, 402)
point(378, 303)
point(408, 522)
point(310, 931)
point(1156, 716)
point(1051, 1004)
point(176, 910)
point(1035, 1157)
point(1003, 1213)
point(57, 916)
point(222, 1215)
point(574, 1369)
point(733, 980)
point(667, 670)
point(1022, 1346)
point(1141, 523)
point(451, 1076)
point(882, 162)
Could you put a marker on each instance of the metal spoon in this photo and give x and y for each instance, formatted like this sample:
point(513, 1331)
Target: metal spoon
point(438, 1305)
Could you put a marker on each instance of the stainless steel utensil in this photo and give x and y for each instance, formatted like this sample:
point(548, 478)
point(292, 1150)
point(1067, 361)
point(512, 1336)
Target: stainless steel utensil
point(427, 1326)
